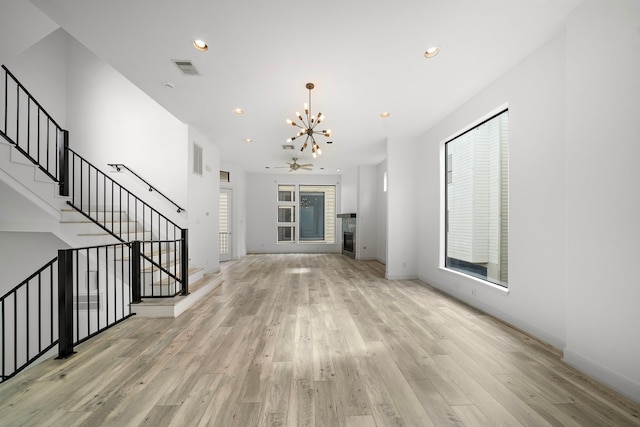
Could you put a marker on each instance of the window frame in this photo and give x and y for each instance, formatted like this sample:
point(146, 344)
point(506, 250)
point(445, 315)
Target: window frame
point(448, 179)
point(283, 203)
point(329, 212)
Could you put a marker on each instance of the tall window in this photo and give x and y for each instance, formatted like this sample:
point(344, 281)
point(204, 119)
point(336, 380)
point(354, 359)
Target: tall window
point(286, 213)
point(477, 201)
point(316, 219)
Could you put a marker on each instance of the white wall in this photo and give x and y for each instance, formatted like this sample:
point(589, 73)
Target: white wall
point(112, 121)
point(402, 213)
point(262, 213)
point(381, 201)
point(238, 185)
point(349, 193)
point(21, 25)
point(367, 213)
point(536, 300)
point(42, 69)
point(204, 206)
point(574, 201)
point(14, 265)
point(603, 204)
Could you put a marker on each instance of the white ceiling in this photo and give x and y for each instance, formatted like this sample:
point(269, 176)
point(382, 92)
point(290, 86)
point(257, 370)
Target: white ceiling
point(364, 57)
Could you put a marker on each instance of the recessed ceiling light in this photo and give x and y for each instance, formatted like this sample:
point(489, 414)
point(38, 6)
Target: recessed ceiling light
point(168, 85)
point(385, 114)
point(238, 111)
point(431, 52)
point(266, 167)
point(200, 45)
point(338, 170)
point(248, 140)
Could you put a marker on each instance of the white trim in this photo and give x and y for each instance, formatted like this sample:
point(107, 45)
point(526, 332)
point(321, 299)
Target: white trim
point(619, 383)
point(475, 123)
point(502, 289)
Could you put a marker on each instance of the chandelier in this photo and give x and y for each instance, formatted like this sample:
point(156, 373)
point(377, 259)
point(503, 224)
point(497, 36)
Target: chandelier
point(307, 126)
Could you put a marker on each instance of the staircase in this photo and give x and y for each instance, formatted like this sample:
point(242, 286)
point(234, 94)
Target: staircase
point(160, 295)
point(131, 258)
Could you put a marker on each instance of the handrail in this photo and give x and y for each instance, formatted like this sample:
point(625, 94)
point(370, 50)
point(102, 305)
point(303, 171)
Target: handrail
point(30, 129)
point(91, 191)
point(118, 166)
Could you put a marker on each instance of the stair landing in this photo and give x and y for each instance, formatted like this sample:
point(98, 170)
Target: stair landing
point(175, 306)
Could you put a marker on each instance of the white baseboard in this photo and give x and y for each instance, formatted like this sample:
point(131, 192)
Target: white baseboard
point(622, 385)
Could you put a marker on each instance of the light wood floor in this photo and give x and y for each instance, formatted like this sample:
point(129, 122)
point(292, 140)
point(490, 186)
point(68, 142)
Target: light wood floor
point(304, 340)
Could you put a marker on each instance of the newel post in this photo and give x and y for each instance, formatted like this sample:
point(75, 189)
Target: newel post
point(63, 162)
point(136, 294)
point(184, 261)
point(65, 303)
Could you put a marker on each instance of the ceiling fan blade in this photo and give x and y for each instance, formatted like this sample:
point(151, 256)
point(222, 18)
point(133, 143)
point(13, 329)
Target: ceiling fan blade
point(306, 165)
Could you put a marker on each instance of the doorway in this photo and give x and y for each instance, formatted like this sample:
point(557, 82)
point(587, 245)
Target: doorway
point(225, 224)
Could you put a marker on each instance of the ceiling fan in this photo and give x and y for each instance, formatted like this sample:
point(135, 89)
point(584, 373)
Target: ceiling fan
point(294, 166)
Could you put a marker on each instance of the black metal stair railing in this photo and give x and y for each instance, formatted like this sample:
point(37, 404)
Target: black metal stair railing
point(126, 217)
point(82, 291)
point(35, 134)
point(28, 319)
point(72, 298)
point(26, 125)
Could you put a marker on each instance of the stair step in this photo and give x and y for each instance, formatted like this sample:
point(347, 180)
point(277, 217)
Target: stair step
point(166, 265)
point(140, 235)
point(71, 214)
point(19, 158)
point(173, 307)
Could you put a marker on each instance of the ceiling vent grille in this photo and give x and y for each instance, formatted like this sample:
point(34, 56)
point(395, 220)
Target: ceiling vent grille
point(186, 66)
point(287, 146)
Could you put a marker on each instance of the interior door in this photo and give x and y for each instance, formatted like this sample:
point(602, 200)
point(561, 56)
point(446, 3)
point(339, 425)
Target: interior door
point(225, 224)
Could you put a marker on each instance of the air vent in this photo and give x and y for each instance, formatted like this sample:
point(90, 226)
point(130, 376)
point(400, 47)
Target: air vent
point(197, 159)
point(186, 66)
point(287, 146)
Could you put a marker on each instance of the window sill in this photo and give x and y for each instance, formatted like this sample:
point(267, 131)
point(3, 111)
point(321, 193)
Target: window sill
point(500, 289)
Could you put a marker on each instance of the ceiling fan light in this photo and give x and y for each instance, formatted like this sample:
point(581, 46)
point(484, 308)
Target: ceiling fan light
point(319, 151)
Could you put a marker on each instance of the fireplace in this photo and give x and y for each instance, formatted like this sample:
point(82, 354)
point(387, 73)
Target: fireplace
point(348, 234)
point(347, 244)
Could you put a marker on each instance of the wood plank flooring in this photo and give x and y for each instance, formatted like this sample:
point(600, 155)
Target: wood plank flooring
point(313, 340)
